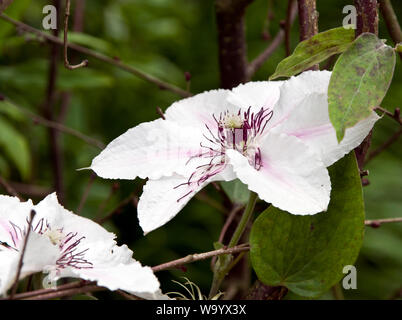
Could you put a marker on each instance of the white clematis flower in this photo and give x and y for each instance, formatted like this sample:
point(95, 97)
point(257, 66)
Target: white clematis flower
point(276, 137)
point(66, 245)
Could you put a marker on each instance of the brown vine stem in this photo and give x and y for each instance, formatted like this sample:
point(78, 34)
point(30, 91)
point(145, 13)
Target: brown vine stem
point(21, 261)
point(67, 64)
point(377, 223)
point(254, 65)
point(85, 286)
point(308, 21)
point(367, 21)
point(99, 56)
point(201, 256)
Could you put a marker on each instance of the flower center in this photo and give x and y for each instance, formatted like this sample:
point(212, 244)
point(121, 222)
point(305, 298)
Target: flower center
point(238, 131)
point(71, 253)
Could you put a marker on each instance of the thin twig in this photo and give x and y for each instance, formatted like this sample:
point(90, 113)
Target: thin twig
point(71, 285)
point(60, 127)
point(10, 190)
point(377, 223)
point(64, 293)
point(254, 65)
point(21, 261)
point(384, 146)
point(160, 112)
point(132, 198)
point(290, 16)
point(86, 192)
point(113, 61)
point(48, 112)
point(201, 256)
point(396, 115)
point(391, 20)
point(67, 64)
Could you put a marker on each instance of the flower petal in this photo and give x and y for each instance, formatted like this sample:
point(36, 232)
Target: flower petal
point(294, 90)
point(257, 95)
point(197, 111)
point(292, 176)
point(132, 277)
point(309, 121)
point(162, 199)
point(151, 149)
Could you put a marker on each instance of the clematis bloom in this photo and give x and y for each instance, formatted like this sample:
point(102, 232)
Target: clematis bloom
point(275, 136)
point(63, 244)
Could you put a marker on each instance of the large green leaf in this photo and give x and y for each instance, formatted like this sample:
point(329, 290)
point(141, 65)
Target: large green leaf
point(314, 50)
point(15, 146)
point(307, 253)
point(359, 81)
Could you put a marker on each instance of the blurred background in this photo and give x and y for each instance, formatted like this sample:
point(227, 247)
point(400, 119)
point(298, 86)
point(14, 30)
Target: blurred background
point(166, 39)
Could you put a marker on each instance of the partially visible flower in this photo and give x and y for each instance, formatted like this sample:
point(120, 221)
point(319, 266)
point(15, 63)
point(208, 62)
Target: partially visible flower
point(276, 137)
point(63, 244)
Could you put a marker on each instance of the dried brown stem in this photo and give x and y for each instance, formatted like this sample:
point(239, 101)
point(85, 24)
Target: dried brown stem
point(21, 261)
point(116, 62)
point(377, 223)
point(201, 256)
point(67, 64)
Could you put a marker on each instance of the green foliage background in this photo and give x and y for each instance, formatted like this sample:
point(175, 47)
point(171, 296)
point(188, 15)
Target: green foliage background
point(167, 38)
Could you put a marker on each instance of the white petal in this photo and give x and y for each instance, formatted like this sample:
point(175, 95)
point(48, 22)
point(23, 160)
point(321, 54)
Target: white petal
point(12, 210)
point(131, 277)
point(162, 199)
point(60, 218)
point(310, 122)
point(292, 177)
point(257, 95)
point(8, 266)
point(112, 266)
point(294, 90)
point(198, 111)
point(151, 149)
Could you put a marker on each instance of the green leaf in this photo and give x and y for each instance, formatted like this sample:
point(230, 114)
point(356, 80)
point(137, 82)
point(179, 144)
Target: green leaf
point(398, 47)
point(236, 190)
point(359, 81)
point(314, 50)
point(9, 109)
point(15, 146)
point(307, 253)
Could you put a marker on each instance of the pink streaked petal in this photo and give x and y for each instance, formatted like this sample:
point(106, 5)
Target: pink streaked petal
point(310, 122)
point(292, 176)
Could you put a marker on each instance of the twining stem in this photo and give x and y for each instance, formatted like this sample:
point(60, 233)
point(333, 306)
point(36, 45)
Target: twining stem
point(222, 265)
point(244, 220)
